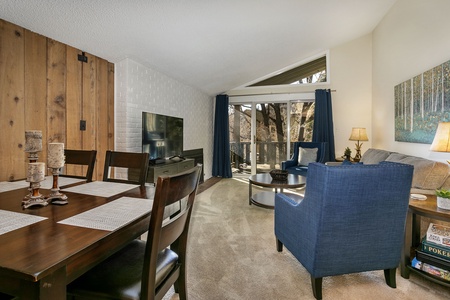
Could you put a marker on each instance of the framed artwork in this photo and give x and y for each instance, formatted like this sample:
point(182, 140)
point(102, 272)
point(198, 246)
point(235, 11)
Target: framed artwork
point(421, 103)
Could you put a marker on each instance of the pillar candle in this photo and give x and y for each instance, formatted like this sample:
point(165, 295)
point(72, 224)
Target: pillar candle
point(36, 172)
point(55, 157)
point(33, 140)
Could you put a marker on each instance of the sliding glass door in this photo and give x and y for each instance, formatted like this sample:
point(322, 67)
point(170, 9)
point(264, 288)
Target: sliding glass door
point(262, 133)
point(271, 136)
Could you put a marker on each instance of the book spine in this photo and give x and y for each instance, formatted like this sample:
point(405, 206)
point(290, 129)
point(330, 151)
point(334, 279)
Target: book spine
point(430, 269)
point(438, 234)
point(437, 250)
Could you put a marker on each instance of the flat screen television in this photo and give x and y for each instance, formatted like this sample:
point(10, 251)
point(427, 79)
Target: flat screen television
point(162, 136)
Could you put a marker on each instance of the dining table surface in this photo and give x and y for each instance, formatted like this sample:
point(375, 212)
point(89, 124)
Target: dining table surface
point(44, 248)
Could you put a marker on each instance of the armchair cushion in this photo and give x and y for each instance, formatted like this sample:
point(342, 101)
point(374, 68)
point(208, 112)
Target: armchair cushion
point(306, 156)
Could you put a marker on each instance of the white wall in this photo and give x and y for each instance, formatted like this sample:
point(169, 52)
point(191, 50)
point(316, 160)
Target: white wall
point(139, 88)
point(412, 38)
point(351, 77)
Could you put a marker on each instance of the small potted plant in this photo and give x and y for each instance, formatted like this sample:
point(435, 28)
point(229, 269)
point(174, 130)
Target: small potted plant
point(347, 153)
point(443, 199)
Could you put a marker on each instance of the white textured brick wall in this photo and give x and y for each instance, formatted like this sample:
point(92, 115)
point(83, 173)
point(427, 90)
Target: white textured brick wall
point(139, 88)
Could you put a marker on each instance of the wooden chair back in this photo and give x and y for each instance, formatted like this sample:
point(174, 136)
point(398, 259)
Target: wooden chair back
point(81, 158)
point(136, 163)
point(164, 232)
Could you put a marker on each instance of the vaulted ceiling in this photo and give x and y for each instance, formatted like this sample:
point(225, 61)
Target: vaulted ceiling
point(211, 45)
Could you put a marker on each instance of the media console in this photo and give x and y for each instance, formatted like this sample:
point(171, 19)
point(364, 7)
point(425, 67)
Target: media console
point(168, 168)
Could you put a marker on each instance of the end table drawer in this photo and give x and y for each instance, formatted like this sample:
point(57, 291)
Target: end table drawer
point(170, 168)
point(185, 165)
point(165, 170)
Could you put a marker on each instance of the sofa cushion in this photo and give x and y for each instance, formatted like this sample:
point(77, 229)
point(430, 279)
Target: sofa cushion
point(307, 155)
point(374, 156)
point(428, 174)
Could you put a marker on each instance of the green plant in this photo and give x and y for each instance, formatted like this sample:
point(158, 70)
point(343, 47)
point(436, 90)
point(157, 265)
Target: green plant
point(347, 151)
point(443, 193)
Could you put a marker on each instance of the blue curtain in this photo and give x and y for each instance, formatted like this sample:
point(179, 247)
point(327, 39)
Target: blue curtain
point(323, 123)
point(221, 153)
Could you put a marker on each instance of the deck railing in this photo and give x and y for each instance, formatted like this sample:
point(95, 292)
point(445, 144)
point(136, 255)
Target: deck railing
point(267, 153)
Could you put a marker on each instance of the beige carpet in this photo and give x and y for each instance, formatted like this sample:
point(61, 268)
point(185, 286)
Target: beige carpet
point(232, 255)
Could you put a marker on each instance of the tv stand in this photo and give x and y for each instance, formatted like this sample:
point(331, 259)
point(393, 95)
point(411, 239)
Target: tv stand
point(169, 167)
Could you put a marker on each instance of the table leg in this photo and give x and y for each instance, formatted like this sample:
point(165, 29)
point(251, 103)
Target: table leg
point(52, 287)
point(406, 260)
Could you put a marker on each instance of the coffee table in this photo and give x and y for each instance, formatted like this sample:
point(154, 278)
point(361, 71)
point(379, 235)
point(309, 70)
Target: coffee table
point(267, 199)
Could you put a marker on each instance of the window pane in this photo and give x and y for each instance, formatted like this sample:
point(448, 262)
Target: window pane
point(302, 121)
point(271, 136)
point(239, 119)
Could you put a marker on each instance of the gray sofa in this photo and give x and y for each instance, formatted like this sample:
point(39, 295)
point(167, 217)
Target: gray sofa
point(429, 175)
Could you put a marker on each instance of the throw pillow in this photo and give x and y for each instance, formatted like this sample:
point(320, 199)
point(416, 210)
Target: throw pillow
point(306, 155)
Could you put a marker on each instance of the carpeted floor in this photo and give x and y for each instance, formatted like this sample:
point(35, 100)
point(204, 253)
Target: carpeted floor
point(232, 255)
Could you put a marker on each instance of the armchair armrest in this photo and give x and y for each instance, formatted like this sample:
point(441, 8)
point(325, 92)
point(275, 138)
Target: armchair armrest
point(288, 163)
point(333, 163)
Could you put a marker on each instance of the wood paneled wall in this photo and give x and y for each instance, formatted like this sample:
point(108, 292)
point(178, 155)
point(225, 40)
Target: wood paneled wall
point(43, 86)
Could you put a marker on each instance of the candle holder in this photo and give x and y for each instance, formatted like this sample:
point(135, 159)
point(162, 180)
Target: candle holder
point(32, 158)
point(35, 174)
point(55, 197)
point(35, 198)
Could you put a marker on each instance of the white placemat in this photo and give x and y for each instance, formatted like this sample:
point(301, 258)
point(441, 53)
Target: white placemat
point(112, 215)
point(62, 181)
point(6, 186)
point(101, 188)
point(10, 221)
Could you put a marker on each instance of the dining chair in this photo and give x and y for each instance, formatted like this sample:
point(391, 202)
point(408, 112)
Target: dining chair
point(136, 163)
point(147, 270)
point(80, 158)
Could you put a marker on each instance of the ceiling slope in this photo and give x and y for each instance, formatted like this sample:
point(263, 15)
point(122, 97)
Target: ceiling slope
point(211, 45)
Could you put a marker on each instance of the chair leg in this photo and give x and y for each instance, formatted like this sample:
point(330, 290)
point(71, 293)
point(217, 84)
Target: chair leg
point(389, 276)
point(317, 287)
point(180, 284)
point(279, 246)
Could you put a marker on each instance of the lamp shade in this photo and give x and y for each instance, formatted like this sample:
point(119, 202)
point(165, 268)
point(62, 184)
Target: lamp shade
point(441, 142)
point(358, 134)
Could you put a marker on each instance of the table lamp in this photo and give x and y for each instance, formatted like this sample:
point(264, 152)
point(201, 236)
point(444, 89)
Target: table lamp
point(441, 142)
point(358, 134)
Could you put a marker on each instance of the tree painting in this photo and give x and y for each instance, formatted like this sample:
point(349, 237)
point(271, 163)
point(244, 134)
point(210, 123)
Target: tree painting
point(421, 103)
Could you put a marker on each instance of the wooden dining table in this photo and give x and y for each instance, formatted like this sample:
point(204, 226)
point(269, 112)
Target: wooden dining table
point(37, 261)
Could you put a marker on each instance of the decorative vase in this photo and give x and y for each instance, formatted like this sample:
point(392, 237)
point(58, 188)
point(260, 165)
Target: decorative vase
point(443, 203)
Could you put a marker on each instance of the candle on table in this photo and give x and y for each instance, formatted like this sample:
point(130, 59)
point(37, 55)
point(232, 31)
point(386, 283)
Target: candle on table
point(55, 157)
point(33, 140)
point(36, 172)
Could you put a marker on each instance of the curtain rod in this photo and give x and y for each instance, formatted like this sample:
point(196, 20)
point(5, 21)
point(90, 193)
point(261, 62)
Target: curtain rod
point(276, 93)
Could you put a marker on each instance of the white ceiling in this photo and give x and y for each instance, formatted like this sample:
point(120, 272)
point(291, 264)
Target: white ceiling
point(212, 45)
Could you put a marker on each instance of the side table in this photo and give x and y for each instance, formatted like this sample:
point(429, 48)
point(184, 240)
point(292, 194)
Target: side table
point(418, 209)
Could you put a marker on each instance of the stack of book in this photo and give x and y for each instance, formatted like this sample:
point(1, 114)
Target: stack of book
point(433, 257)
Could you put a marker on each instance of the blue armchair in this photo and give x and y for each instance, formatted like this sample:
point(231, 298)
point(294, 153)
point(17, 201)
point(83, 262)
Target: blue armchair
point(352, 219)
point(292, 165)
